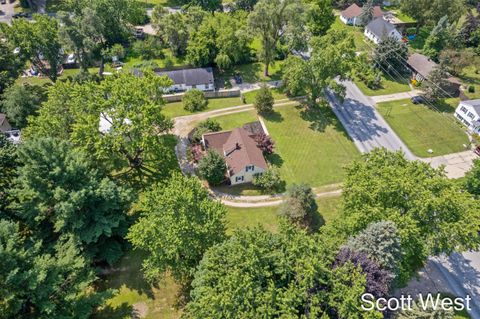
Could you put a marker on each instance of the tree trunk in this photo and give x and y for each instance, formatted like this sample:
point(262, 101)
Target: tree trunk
point(266, 69)
point(102, 66)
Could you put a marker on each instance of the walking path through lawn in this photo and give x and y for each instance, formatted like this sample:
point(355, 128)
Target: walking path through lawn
point(395, 96)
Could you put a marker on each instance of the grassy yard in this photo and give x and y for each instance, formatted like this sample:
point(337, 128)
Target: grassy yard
point(175, 109)
point(241, 218)
point(311, 146)
point(389, 86)
point(134, 293)
point(357, 32)
point(254, 72)
point(422, 128)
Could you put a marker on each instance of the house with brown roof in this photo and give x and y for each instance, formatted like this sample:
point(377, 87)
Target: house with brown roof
point(243, 157)
point(351, 14)
point(421, 67)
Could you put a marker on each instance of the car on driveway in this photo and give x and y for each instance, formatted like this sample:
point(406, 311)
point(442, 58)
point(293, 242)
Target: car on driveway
point(417, 99)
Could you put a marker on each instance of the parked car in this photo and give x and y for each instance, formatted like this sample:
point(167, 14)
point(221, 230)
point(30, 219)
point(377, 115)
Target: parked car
point(21, 15)
point(418, 99)
point(238, 79)
point(477, 150)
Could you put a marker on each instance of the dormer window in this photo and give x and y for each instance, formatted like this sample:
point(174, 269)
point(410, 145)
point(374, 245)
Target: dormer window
point(250, 168)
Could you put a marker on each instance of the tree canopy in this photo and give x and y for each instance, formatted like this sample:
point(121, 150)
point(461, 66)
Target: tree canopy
point(178, 223)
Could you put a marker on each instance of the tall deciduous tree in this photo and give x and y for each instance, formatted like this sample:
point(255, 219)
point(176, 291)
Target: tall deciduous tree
point(430, 11)
point(117, 121)
point(431, 213)
point(60, 193)
point(257, 274)
point(272, 21)
point(332, 57)
point(8, 166)
point(21, 101)
point(178, 223)
point(38, 42)
point(300, 206)
point(173, 29)
point(10, 65)
point(436, 86)
point(319, 17)
point(472, 182)
point(264, 100)
point(82, 34)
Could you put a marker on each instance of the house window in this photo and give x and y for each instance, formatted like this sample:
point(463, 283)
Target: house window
point(463, 109)
point(250, 168)
point(471, 115)
point(239, 179)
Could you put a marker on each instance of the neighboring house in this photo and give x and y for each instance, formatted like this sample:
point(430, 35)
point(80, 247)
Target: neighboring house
point(421, 67)
point(187, 79)
point(468, 112)
point(351, 14)
point(379, 29)
point(4, 125)
point(243, 158)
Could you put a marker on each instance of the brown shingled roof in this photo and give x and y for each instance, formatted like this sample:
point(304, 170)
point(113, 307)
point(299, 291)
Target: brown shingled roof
point(421, 64)
point(354, 11)
point(238, 147)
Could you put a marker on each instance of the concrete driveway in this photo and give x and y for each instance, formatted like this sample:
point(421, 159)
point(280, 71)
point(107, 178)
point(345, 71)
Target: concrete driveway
point(364, 124)
point(8, 10)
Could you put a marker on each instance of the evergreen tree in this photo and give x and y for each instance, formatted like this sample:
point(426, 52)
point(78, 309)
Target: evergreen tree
point(264, 100)
point(367, 13)
point(61, 193)
point(300, 206)
point(390, 56)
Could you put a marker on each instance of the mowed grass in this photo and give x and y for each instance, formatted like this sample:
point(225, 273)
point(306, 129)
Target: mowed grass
point(310, 146)
point(231, 121)
point(357, 33)
point(175, 109)
point(388, 86)
point(267, 217)
point(422, 128)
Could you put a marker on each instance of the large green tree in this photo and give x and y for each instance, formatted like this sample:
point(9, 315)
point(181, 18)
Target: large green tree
point(21, 101)
point(43, 284)
point(59, 193)
point(472, 179)
point(319, 17)
point(390, 56)
point(431, 213)
point(38, 42)
point(300, 206)
point(178, 223)
point(220, 39)
point(273, 21)
point(332, 56)
point(118, 122)
point(10, 65)
point(257, 274)
point(430, 11)
point(8, 173)
point(172, 28)
point(82, 34)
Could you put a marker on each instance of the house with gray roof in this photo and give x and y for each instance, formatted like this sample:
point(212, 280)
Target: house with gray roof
point(352, 14)
point(379, 29)
point(468, 113)
point(187, 79)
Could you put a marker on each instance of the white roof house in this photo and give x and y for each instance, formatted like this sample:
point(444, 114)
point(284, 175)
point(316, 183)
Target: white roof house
point(468, 113)
point(379, 29)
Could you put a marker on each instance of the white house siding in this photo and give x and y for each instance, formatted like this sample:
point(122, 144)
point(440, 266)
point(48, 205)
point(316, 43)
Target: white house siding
point(394, 34)
point(247, 176)
point(183, 87)
point(469, 117)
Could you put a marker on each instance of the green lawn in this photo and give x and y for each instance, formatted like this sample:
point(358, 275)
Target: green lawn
point(310, 146)
point(175, 109)
point(422, 128)
point(241, 218)
point(418, 43)
point(389, 86)
point(254, 72)
point(357, 32)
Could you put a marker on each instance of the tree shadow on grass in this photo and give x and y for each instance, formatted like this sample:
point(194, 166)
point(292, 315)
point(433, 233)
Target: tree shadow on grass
point(273, 117)
point(275, 159)
point(122, 311)
point(316, 221)
point(127, 272)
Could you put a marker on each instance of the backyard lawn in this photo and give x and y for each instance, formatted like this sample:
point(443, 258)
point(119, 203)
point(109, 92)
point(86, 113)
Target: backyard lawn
point(389, 86)
point(422, 128)
point(134, 293)
point(175, 109)
point(310, 147)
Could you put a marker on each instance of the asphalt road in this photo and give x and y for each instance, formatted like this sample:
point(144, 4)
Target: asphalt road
point(364, 124)
point(462, 274)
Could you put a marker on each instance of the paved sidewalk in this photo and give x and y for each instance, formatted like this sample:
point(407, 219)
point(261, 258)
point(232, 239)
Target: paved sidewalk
point(394, 97)
point(456, 165)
